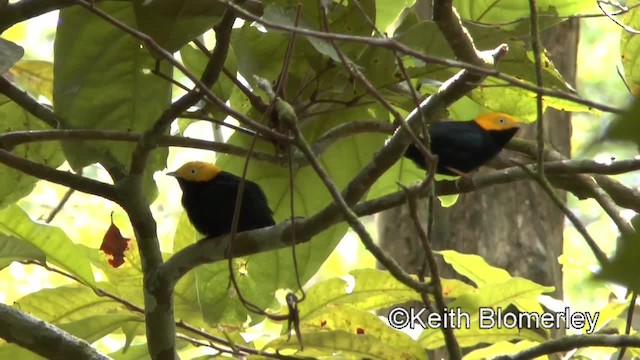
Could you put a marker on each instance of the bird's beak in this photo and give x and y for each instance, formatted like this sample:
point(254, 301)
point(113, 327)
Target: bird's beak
point(172, 173)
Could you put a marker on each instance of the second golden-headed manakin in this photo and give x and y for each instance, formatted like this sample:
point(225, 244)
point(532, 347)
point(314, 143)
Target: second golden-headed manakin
point(463, 146)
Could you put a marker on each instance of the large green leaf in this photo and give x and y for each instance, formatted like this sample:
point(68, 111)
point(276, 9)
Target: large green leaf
point(495, 296)
point(387, 11)
point(102, 80)
point(10, 53)
point(15, 184)
point(352, 320)
point(34, 76)
point(367, 289)
point(13, 249)
point(53, 242)
point(474, 267)
point(508, 13)
point(630, 47)
point(65, 303)
point(495, 95)
point(173, 23)
point(196, 61)
point(323, 344)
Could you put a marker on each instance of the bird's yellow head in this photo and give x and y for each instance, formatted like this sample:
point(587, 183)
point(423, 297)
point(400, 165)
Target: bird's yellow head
point(497, 121)
point(196, 171)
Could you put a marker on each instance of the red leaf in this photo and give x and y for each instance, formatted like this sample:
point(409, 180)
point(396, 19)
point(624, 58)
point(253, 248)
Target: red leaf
point(114, 244)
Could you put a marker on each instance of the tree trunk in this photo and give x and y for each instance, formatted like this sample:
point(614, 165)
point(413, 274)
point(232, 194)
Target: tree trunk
point(512, 226)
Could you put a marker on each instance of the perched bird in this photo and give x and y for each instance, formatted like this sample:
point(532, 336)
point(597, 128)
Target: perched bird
point(209, 197)
point(463, 146)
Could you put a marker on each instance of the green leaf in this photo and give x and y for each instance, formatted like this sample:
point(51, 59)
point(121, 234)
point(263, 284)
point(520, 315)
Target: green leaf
point(472, 336)
point(10, 53)
point(103, 80)
point(366, 289)
point(506, 13)
point(94, 328)
point(387, 11)
point(495, 94)
point(351, 320)
point(141, 351)
point(173, 23)
point(53, 242)
point(348, 345)
point(519, 291)
point(14, 184)
point(474, 267)
point(13, 249)
point(196, 61)
point(67, 303)
point(34, 76)
point(630, 47)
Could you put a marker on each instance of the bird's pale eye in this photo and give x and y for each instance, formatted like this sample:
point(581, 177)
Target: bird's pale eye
point(502, 121)
point(193, 171)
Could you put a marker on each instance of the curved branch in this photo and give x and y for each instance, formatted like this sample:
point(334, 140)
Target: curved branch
point(43, 338)
point(559, 173)
point(568, 343)
point(11, 139)
point(64, 178)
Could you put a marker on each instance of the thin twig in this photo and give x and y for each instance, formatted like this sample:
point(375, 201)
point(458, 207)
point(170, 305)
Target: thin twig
point(394, 45)
point(61, 204)
point(627, 328)
point(624, 27)
point(453, 348)
point(544, 184)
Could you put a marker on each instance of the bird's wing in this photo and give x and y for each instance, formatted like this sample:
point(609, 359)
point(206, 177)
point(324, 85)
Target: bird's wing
point(254, 200)
point(460, 140)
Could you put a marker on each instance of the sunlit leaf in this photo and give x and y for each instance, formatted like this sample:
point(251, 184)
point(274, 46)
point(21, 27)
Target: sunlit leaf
point(349, 345)
point(630, 47)
point(15, 184)
point(13, 249)
point(173, 23)
point(10, 53)
point(35, 76)
point(53, 242)
point(103, 80)
point(367, 289)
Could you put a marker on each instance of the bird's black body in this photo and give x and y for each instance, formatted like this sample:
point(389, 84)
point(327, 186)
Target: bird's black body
point(210, 204)
point(461, 145)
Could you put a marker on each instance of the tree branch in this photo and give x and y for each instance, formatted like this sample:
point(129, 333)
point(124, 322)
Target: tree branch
point(27, 102)
point(568, 343)
point(63, 178)
point(43, 338)
point(392, 44)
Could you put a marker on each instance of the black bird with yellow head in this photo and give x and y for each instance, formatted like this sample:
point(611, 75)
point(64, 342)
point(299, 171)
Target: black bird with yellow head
point(463, 146)
point(209, 197)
